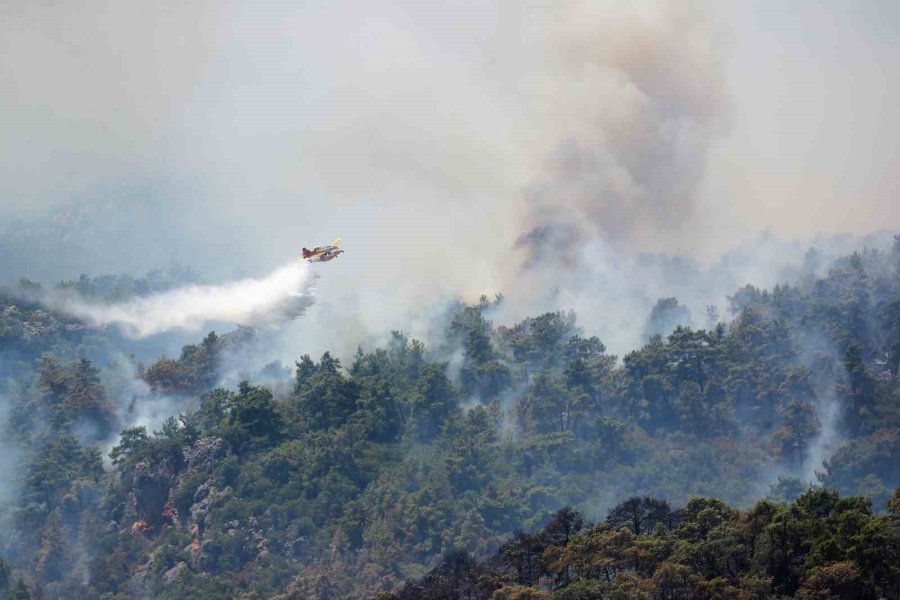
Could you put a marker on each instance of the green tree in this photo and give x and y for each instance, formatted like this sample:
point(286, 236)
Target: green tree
point(433, 400)
point(640, 514)
point(131, 441)
point(327, 398)
point(253, 421)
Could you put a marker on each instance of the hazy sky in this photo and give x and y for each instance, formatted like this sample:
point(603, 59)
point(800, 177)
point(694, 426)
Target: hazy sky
point(815, 91)
point(285, 109)
point(432, 135)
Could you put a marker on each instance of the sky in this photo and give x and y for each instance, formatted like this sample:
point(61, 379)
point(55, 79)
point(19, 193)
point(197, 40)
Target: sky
point(456, 147)
point(814, 88)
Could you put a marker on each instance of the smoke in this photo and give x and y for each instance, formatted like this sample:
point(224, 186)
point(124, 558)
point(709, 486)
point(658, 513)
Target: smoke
point(136, 404)
point(432, 137)
point(643, 92)
point(11, 459)
point(284, 294)
point(828, 411)
point(604, 148)
point(645, 99)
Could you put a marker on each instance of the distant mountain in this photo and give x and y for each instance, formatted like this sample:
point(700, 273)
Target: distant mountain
point(92, 236)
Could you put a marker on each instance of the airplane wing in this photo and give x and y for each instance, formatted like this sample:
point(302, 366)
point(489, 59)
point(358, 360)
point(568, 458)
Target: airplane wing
point(336, 242)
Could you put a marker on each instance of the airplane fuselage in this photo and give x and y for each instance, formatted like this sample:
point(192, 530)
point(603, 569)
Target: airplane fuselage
point(325, 256)
point(322, 253)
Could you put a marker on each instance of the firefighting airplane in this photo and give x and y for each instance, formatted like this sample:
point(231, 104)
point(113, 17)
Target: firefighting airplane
point(323, 253)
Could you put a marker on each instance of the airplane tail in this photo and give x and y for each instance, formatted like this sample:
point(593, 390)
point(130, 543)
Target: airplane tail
point(306, 253)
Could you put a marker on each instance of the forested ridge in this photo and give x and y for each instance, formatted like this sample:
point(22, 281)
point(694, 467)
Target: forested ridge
point(419, 470)
point(820, 546)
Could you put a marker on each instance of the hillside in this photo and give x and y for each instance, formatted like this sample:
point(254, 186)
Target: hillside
point(820, 546)
point(349, 479)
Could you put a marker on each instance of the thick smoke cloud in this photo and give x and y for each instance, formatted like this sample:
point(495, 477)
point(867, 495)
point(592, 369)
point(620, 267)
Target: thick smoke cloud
point(586, 155)
point(432, 137)
point(283, 294)
point(641, 97)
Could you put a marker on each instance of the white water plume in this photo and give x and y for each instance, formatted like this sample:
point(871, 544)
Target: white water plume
point(283, 294)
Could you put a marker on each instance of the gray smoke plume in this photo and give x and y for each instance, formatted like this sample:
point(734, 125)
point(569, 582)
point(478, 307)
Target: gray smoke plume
point(641, 97)
point(431, 136)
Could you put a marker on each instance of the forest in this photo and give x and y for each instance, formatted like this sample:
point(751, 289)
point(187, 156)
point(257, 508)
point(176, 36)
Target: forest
point(820, 546)
point(754, 456)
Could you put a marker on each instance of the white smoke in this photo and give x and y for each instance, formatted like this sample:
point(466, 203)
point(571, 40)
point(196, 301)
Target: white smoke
point(9, 465)
point(283, 294)
point(828, 412)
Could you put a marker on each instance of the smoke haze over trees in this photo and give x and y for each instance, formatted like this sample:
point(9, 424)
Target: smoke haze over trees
point(438, 137)
point(199, 476)
point(619, 314)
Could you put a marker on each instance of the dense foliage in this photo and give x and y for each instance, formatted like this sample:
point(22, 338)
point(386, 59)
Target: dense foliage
point(352, 479)
point(820, 546)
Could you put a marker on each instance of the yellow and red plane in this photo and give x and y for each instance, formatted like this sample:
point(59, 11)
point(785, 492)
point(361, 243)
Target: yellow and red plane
point(323, 253)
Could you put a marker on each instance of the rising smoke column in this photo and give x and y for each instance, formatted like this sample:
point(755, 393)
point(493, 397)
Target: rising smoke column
point(639, 95)
point(643, 92)
point(283, 294)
